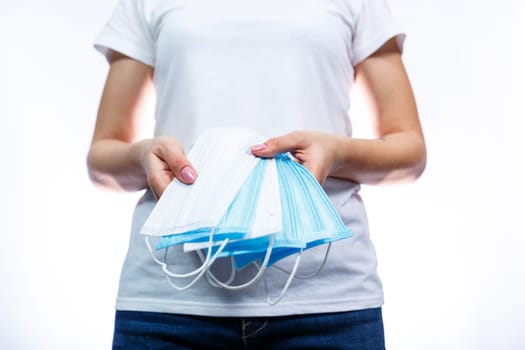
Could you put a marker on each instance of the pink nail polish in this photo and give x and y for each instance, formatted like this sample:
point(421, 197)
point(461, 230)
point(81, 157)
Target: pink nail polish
point(188, 174)
point(260, 147)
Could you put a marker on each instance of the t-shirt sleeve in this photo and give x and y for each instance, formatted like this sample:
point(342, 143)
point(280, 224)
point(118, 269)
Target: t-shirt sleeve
point(128, 32)
point(374, 26)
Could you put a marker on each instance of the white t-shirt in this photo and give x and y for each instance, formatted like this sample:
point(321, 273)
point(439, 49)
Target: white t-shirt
point(274, 66)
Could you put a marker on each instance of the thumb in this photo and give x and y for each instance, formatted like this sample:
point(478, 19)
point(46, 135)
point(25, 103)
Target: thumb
point(182, 169)
point(276, 145)
point(174, 157)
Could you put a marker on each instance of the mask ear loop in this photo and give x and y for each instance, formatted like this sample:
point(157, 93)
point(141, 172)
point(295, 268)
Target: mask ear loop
point(183, 275)
point(199, 271)
point(312, 274)
point(210, 281)
point(259, 274)
point(230, 279)
point(287, 284)
point(204, 267)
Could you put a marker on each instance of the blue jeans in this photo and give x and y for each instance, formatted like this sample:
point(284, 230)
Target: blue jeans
point(353, 330)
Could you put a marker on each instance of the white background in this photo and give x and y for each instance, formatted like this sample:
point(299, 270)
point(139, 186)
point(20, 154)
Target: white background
point(450, 246)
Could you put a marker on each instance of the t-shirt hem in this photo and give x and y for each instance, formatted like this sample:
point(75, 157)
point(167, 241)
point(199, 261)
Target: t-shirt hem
point(262, 309)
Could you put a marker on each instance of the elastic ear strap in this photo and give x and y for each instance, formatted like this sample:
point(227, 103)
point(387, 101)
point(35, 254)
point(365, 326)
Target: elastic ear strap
point(204, 265)
point(209, 275)
point(199, 271)
point(288, 282)
point(146, 238)
point(255, 278)
point(180, 275)
point(312, 274)
point(198, 277)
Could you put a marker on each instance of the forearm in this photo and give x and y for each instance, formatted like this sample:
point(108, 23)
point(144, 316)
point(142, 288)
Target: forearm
point(117, 165)
point(396, 157)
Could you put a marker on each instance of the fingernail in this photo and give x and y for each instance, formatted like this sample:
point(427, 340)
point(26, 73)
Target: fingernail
point(188, 174)
point(260, 147)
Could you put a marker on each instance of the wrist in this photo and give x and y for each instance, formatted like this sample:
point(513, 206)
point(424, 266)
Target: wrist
point(138, 151)
point(343, 152)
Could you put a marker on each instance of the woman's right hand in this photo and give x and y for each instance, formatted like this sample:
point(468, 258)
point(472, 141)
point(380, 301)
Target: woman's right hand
point(116, 158)
point(163, 159)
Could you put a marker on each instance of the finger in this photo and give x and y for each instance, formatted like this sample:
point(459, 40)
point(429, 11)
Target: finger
point(159, 175)
point(286, 143)
point(173, 156)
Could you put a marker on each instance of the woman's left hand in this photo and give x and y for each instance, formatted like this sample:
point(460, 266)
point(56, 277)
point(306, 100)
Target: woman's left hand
point(317, 151)
point(397, 153)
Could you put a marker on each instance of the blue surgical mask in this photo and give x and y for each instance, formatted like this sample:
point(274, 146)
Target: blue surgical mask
point(308, 217)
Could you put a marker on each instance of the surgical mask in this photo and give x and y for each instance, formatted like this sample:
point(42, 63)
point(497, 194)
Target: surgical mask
point(309, 219)
point(220, 205)
point(251, 210)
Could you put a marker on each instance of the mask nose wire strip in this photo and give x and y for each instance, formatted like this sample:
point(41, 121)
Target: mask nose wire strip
point(255, 278)
point(312, 274)
point(288, 282)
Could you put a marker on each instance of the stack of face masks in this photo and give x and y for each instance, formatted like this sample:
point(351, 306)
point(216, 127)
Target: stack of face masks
point(254, 211)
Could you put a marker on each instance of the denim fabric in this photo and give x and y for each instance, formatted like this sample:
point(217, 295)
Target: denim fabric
point(353, 330)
